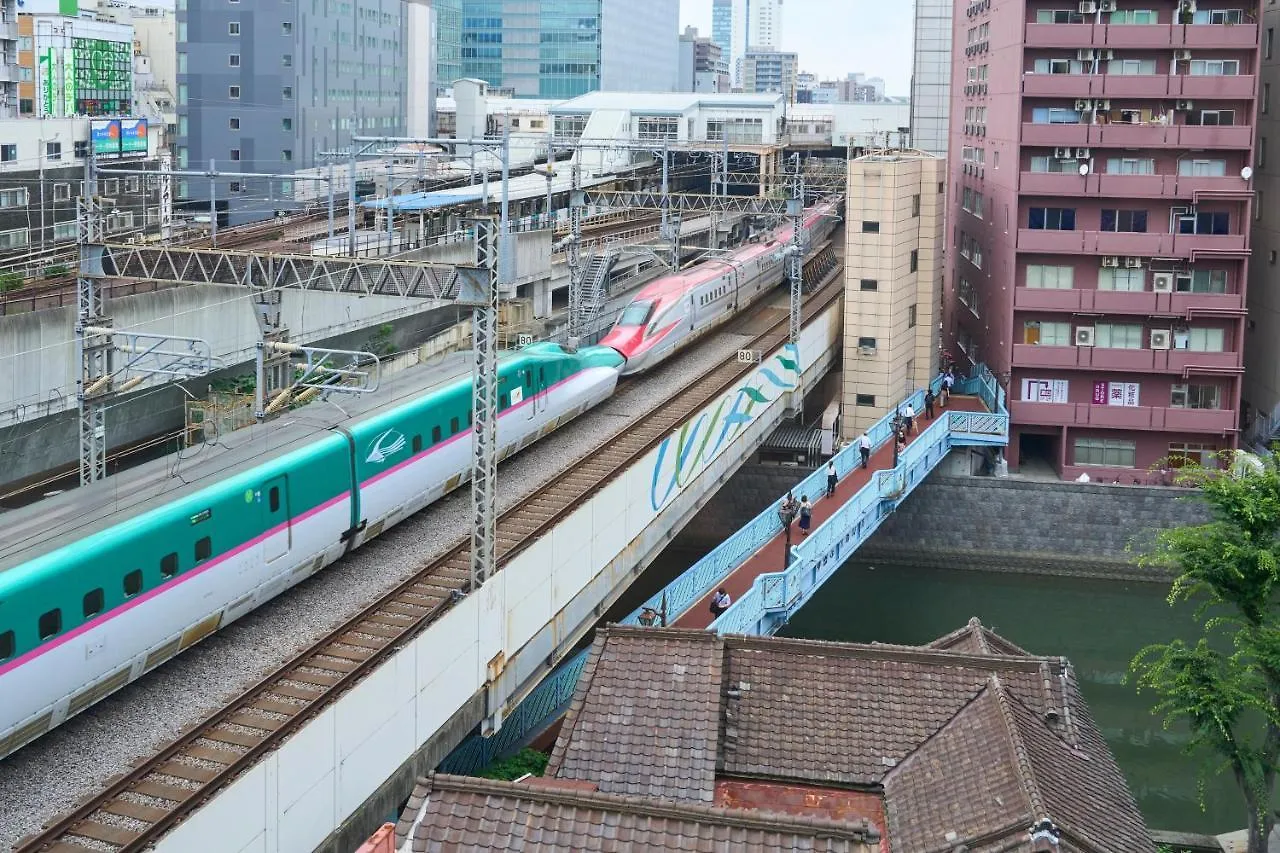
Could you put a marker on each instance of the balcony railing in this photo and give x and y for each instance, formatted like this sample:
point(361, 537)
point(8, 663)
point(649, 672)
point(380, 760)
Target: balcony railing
point(1060, 85)
point(1178, 361)
point(1135, 85)
point(1059, 35)
point(1153, 36)
point(1125, 417)
point(1033, 240)
point(1141, 303)
point(1190, 136)
point(1222, 36)
point(1058, 134)
point(1232, 86)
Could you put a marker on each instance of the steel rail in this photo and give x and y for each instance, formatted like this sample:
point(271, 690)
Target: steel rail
point(159, 792)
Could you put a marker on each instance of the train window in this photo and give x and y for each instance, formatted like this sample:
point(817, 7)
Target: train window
point(417, 444)
point(133, 583)
point(204, 550)
point(468, 417)
point(435, 435)
point(273, 498)
point(503, 401)
point(453, 426)
point(93, 601)
point(50, 624)
point(169, 562)
point(637, 313)
point(542, 378)
point(6, 645)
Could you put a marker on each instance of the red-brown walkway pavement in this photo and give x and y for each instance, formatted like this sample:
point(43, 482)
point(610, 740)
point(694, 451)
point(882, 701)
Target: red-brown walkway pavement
point(770, 556)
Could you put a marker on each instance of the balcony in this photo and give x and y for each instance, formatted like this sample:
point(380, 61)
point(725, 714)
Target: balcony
point(1192, 136)
point(1123, 417)
point(1135, 85)
point(1207, 245)
point(1057, 134)
point(1142, 303)
point(1127, 243)
point(1061, 85)
point(1032, 240)
point(1233, 86)
point(1188, 363)
point(9, 72)
point(1138, 35)
point(1187, 186)
point(1135, 186)
point(1052, 183)
point(1136, 135)
point(1223, 36)
point(1059, 35)
point(1179, 361)
point(1034, 355)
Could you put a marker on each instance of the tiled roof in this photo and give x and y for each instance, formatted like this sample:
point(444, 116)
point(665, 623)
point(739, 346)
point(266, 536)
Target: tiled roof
point(652, 705)
point(453, 814)
point(971, 735)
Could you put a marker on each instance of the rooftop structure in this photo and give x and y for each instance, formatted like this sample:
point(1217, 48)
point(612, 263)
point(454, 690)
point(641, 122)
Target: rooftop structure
point(931, 76)
point(1101, 196)
point(702, 66)
point(894, 212)
point(748, 119)
point(565, 48)
point(968, 743)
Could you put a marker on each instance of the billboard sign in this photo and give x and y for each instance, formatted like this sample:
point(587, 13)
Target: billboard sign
point(105, 137)
point(46, 81)
point(68, 81)
point(133, 137)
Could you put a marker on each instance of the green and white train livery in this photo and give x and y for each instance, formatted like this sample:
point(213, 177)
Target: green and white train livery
point(82, 617)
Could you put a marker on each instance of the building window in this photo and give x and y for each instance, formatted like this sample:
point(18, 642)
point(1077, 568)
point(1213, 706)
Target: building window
point(16, 197)
point(1200, 340)
point(1114, 452)
point(235, 153)
point(657, 128)
point(868, 284)
point(287, 155)
point(1183, 453)
point(1266, 97)
point(286, 124)
point(1046, 334)
point(1201, 281)
point(233, 92)
point(1051, 219)
point(287, 93)
point(1131, 221)
point(235, 187)
point(286, 28)
point(1214, 67)
point(864, 400)
point(915, 258)
point(964, 292)
point(234, 122)
point(1203, 223)
point(1055, 165)
point(1050, 277)
point(1130, 166)
point(133, 184)
point(1131, 66)
point(234, 60)
point(233, 28)
point(1187, 396)
point(911, 316)
point(1117, 336)
point(867, 343)
point(8, 152)
point(870, 227)
point(1134, 16)
point(1127, 280)
point(287, 60)
point(1202, 168)
point(65, 231)
point(1258, 206)
point(62, 192)
point(915, 205)
point(15, 239)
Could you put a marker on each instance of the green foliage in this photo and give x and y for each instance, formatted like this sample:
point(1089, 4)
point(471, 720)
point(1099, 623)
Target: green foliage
point(382, 342)
point(242, 384)
point(527, 760)
point(10, 280)
point(55, 270)
point(1230, 568)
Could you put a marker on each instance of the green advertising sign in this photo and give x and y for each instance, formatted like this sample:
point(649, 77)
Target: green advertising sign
point(71, 8)
point(68, 81)
point(104, 67)
point(47, 84)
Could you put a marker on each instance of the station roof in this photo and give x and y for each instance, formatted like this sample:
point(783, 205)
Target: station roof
point(970, 739)
point(657, 103)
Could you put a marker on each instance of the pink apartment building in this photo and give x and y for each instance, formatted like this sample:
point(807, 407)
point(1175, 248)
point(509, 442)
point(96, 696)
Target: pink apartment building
point(1101, 159)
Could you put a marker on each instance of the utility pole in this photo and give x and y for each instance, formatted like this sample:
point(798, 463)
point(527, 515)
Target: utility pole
point(331, 199)
point(93, 351)
point(574, 253)
point(391, 210)
point(213, 204)
point(351, 203)
point(665, 229)
point(795, 275)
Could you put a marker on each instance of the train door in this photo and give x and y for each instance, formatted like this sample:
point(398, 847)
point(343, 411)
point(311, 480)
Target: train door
point(273, 501)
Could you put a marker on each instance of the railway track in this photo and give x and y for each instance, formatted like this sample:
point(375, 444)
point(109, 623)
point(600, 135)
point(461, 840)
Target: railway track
point(139, 807)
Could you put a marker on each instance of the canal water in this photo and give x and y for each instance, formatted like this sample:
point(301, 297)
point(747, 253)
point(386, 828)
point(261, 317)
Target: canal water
point(1099, 625)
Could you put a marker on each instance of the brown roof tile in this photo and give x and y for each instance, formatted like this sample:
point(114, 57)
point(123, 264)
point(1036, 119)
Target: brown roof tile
point(976, 639)
point(464, 815)
point(649, 699)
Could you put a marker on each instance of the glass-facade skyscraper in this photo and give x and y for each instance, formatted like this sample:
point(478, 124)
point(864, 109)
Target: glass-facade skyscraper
point(560, 49)
point(722, 26)
point(448, 42)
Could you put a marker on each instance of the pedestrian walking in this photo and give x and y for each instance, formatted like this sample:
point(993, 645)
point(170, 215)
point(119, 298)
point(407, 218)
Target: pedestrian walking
point(864, 449)
point(899, 445)
point(648, 617)
point(831, 478)
point(947, 381)
point(806, 515)
point(929, 398)
point(720, 603)
point(908, 419)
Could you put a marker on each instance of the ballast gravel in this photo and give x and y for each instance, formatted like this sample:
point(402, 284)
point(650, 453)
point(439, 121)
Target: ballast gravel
point(74, 761)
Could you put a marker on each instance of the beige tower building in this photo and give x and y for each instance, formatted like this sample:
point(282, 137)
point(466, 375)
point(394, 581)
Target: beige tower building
point(893, 281)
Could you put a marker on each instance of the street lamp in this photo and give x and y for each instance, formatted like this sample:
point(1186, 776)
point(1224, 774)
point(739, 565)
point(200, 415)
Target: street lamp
point(786, 514)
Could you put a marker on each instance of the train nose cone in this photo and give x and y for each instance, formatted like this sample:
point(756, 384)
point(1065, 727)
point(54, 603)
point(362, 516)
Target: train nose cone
point(626, 340)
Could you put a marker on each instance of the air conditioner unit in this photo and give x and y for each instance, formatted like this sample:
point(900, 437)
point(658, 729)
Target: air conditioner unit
point(1110, 261)
point(1160, 338)
point(1085, 53)
point(1084, 336)
point(1088, 8)
point(1133, 263)
point(1082, 153)
point(1062, 153)
point(1162, 282)
point(1084, 105)
point(1181, 54)
point(1187, 6)
point(1106, 5)
point(1185, 106)
point(1103, 105)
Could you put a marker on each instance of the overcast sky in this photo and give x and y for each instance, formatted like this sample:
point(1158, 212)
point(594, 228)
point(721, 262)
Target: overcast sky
point(835, 37)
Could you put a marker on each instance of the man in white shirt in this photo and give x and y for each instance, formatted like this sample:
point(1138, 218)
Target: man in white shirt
point(864, 448)
point(720, 602)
